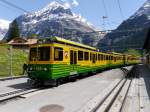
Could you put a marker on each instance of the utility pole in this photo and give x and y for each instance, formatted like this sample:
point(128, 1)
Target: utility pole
point(10, 57)
point(104, 18)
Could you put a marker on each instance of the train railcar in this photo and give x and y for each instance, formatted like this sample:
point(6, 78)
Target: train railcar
point(131, 60)
point(54, 59)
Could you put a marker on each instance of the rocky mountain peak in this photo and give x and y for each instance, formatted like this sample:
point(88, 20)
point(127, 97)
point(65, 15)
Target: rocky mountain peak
point(56, 20)
point(53, 5)
point(139, 22)
point(55, 8)
point(144, 10)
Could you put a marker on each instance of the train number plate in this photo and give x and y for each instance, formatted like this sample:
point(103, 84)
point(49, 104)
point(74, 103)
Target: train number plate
point(73, 73)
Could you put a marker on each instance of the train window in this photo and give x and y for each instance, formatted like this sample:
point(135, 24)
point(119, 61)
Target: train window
point(102, 58)
point(33, 54)
point(43, 53)
point(58, 54)
point(86, 56)
point(99, 57)
point(111, 57)
point(96, 56)
point(107, 57)
point(80, 55)
point(90, 56)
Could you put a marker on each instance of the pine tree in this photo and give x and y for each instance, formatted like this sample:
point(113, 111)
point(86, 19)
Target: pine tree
point(14, 31)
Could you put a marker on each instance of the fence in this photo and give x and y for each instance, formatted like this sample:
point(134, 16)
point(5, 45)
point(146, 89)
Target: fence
point(11, 61)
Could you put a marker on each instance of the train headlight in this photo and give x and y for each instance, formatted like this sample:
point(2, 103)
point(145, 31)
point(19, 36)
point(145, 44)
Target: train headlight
point(31, 68)
point(45, 69)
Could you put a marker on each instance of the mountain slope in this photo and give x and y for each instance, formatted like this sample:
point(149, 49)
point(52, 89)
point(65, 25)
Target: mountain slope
point(55, 19)
point(131, 33)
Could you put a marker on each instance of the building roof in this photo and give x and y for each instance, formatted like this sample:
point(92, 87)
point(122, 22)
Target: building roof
point(22, 41)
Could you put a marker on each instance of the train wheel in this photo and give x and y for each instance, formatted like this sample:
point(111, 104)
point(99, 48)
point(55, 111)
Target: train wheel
point(57, 83)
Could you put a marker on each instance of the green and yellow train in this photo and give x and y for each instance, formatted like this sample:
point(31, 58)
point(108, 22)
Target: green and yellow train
point(54, 59)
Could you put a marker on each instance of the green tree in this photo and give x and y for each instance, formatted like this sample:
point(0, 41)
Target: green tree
point(14, 31)
point(32, 36)
point(134, 52)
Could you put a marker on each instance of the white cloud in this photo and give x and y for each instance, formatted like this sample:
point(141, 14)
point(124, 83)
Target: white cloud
point(4, 24)
point(75, 3)
point(70, 3)
point(67, 5)
point(63, 0)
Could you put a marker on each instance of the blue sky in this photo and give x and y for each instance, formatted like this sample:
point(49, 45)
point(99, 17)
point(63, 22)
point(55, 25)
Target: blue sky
point(92, 10)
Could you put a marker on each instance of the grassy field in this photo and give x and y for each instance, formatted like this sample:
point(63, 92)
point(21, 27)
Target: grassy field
point(19, 57)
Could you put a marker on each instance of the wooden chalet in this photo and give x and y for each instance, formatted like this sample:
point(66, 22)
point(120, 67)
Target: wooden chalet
point(22, 43)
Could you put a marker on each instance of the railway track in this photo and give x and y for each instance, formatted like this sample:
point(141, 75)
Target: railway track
point(112, 99)
point(16, 93)
point(115, 101)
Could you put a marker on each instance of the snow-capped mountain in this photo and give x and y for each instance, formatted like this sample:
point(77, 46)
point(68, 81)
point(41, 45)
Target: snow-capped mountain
point(144, 10)
point(4, 25)
point(56, 19)
point(131, 32)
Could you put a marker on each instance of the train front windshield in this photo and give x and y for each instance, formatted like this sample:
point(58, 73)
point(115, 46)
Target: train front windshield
point(40, 54)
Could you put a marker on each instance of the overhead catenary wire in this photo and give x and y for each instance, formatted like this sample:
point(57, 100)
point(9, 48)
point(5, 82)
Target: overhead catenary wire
point(4, 5)
point(105, 16)
point(120, 10)
point(109, 31)
point(14, 6)
point(105, 9)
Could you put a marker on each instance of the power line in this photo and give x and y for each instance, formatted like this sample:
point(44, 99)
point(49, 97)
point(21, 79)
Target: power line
point(120, 9)
point(105, 9)
point(15, 6)
point(110, 31)
point(4, 5)
point(105, 15)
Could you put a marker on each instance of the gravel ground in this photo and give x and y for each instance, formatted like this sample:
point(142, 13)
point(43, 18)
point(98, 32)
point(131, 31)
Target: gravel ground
point(68, 97)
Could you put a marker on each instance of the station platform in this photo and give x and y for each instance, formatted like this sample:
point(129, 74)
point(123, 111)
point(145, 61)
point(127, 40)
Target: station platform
point(138, 97)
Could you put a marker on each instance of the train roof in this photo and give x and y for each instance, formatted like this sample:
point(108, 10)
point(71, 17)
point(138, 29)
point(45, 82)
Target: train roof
point(63, 41)
point(115, 53)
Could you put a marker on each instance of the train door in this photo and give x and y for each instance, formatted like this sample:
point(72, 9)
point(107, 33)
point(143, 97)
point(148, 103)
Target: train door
point(94, 59)
point(73, 62)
